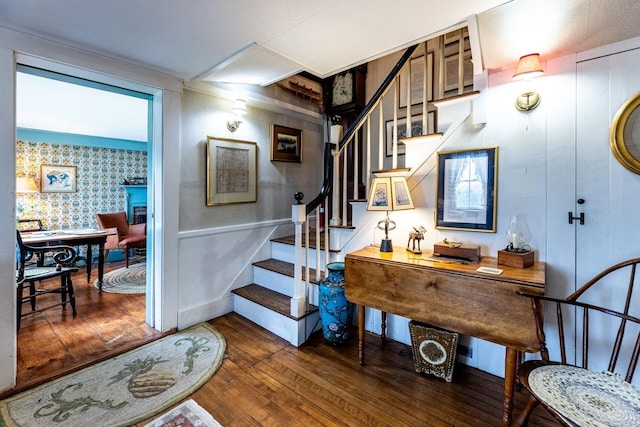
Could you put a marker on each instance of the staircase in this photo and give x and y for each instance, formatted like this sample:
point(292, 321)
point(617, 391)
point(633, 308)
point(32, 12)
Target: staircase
point(267, 301)
point(284, 296)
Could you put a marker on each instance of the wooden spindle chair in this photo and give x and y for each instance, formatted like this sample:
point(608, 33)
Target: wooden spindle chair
point(29, 272)
point(571, 388)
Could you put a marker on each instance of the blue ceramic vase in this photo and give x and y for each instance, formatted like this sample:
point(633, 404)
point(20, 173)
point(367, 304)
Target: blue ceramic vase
point(336, 313)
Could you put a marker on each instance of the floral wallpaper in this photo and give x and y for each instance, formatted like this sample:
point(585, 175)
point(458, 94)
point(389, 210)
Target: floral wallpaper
point(100, 173)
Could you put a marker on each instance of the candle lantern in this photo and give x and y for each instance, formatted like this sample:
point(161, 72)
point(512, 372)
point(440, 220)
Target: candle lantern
point(518, 253)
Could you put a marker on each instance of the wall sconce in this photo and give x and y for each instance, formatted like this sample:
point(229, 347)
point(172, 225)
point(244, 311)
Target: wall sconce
point(528, 68)
point(389, 192)
point(239, 109)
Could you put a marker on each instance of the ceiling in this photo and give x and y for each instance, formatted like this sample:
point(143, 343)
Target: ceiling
point(231, 41)
point(217, 40)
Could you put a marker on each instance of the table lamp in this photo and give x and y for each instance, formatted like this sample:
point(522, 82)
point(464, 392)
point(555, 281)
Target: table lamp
point(389, 192)
point(24, 185)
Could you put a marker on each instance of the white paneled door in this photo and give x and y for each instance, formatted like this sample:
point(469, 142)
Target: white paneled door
point(606, 193)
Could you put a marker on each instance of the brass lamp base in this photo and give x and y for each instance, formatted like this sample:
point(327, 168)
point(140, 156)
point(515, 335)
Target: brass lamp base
point(386, 246)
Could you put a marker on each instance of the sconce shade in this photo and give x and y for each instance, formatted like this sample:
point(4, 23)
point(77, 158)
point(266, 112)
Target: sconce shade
point(239, 107)
point(528, 67)
point(26, 185)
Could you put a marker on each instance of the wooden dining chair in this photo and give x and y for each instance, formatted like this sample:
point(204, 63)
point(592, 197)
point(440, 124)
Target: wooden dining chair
point(29, 271)
point(121, 234)
point(598, 334)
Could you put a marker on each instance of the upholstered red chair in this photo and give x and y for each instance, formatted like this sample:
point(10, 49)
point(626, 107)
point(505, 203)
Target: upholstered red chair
point(121, 234)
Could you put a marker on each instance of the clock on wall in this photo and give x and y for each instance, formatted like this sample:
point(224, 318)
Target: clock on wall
point(345, 91)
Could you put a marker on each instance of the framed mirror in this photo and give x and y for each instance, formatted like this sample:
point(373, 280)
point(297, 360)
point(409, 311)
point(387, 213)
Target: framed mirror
point(624, 136)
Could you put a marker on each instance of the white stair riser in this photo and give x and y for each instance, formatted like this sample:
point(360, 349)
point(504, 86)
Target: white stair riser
point(274, 281)
point(296, 332)
point(280, 283)
point(285, 252)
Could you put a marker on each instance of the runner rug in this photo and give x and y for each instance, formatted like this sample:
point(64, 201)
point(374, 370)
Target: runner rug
point(123, 390)
point(132, 280)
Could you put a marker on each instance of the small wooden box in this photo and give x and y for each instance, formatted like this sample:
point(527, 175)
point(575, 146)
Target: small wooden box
point(464, 251)
point(515, 259)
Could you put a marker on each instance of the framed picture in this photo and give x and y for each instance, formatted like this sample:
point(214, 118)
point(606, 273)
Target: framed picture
point(416, 130)
point(467, 188)
point(231, 171)
point(286, 144)
point(57, 179)
point(418, 67)
point(451, 71)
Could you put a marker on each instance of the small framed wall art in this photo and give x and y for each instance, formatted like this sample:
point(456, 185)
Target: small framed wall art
point(231, 171)
point(286, 144)
point(57, 179)
point(466, 195)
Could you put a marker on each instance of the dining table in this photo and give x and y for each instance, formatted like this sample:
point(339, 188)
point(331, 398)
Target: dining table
point(73, 237)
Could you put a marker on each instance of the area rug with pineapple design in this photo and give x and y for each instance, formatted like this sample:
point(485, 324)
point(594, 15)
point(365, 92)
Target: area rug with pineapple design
point(123, 390)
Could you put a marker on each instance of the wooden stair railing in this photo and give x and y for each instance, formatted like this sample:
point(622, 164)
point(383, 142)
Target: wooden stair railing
point(302, 214)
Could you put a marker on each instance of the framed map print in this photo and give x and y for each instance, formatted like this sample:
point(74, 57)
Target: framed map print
point(231, 171)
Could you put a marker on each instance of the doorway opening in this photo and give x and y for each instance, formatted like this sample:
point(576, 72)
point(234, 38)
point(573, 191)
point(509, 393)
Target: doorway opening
point(104, 134)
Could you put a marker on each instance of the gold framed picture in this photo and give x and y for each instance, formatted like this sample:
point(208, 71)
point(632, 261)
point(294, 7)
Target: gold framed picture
point(231, 171)
point(57, 179)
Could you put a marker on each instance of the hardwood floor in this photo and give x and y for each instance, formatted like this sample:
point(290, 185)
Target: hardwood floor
point(265, 381)
point(54, 342)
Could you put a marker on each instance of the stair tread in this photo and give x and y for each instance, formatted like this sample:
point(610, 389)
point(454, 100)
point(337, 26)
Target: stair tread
point(272, 300)
point(284, 268)
point(291, 240)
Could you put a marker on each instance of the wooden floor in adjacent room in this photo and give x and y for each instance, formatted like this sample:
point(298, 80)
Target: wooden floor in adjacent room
point(265, 381)
point(53, 342)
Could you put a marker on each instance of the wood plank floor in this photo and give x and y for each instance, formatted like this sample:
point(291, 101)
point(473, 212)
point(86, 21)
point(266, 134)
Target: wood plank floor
point(54, 342)
point(265, 381)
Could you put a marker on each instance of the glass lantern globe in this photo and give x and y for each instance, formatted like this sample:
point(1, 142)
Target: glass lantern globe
point(518, 234)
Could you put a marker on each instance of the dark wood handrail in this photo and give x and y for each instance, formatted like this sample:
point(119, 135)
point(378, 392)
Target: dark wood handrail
point(328, 161)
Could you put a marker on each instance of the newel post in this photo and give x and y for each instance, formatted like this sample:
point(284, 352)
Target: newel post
point(298, 216)
point(335, 135)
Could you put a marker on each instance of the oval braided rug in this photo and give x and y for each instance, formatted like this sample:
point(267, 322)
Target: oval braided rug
point(132, 280)
point(123, 390)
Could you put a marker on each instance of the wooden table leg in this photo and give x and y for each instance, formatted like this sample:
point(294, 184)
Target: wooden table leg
point(100, 265)
point(361, 334)
point(383, 327)
point(88, 261)
point(510, 365)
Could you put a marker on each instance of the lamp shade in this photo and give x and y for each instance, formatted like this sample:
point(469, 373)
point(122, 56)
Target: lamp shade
point(528, 67)
point(26, 185)
point(389, 191)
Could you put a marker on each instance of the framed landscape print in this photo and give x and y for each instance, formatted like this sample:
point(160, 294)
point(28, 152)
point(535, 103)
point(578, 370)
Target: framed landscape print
point(57, 179)
point(286, 144)
point(231, 171)
point(466, 195)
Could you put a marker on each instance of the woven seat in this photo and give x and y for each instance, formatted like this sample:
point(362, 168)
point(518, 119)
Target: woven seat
point(598, 331)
